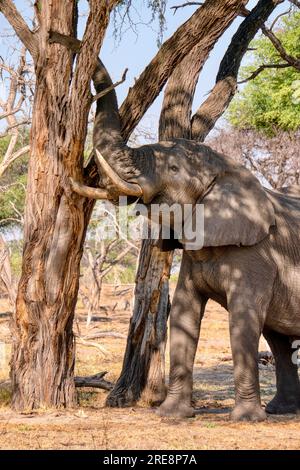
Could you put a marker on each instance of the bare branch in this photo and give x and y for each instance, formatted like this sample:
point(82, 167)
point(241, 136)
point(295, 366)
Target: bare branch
point(226, 84)
point(293, 61)
point(14, 104)
point(13, 111)
point(13, 126)
point(153, 78)
point(187, 4)
point(116, 261)
point(91, 344)
point(261, 69)
point(296, 3)
point(278, 18)
point(26, 36)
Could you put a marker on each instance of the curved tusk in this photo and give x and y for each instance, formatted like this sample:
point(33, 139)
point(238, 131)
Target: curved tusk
point(130, 189)
point(87, 191)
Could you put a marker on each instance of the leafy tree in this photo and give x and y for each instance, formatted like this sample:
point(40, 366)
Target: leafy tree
point(272, 100)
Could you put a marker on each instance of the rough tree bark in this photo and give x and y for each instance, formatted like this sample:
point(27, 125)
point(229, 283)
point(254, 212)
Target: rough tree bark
point(55, 219)
point(143, 371)
point(225, 88)
point(144, 366)
point(214, 15)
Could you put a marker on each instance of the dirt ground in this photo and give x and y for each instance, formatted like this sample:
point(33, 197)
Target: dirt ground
point(92, 426)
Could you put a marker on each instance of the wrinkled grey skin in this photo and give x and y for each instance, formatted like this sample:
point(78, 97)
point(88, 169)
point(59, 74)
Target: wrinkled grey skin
point(250, 265)
point(250, 262)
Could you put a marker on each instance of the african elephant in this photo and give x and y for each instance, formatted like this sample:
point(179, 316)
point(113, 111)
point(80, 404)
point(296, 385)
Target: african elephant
point(249, 262)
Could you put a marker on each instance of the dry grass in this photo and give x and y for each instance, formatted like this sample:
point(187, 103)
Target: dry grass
point(91, 426)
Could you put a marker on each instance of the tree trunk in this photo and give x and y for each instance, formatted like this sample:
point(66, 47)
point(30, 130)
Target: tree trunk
point(143, 366)
point(55, 218)
point(55, 225)
point(143, 369)
point(44, 349)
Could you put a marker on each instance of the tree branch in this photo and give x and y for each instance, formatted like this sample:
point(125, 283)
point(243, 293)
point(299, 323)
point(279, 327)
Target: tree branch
point(293, 61)
point(153, 78)
point(12, 111)
point(115, 261)
point(226, 83)
point(19, 25)
point(278, 18)
point(175, 117)
point(187, 4)
point(261, 69)
point(296, 3)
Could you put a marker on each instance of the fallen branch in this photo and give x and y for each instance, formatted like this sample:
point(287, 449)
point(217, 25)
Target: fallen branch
point(94, 381)
point(91, 345)
point(104, 334)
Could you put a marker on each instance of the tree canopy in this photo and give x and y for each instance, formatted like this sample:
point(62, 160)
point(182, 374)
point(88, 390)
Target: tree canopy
point(271, 101)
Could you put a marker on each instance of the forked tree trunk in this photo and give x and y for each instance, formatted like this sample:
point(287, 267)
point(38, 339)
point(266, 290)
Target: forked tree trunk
point(55, 218)
point(143, 371)
point(55, 224)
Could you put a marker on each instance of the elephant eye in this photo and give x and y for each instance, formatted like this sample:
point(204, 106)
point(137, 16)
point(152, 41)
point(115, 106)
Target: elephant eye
point(174, 169)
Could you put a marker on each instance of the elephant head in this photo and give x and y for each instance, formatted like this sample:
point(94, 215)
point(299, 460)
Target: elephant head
point(237, 210)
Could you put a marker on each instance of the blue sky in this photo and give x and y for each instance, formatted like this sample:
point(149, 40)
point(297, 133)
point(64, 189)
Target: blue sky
point(135, 50)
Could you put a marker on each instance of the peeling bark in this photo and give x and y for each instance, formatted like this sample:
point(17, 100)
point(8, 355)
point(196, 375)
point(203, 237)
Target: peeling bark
point(43, 354)
point(143, 371)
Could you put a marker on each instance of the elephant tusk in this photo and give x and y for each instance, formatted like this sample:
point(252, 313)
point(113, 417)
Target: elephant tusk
point(87, 191)
point(130, 189)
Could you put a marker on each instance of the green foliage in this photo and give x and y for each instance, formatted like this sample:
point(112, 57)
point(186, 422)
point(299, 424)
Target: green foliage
point(124, 271)
point(272, 100)
point(15, 248)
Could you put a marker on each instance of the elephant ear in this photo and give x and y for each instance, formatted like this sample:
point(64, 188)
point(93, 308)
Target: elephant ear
point(237, 210)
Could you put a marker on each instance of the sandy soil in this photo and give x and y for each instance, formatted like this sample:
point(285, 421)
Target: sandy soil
point(91, 426)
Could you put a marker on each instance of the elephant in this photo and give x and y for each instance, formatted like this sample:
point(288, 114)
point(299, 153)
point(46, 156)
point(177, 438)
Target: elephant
point(249, 261)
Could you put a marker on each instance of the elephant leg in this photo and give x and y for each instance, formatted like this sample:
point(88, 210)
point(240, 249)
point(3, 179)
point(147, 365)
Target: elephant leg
point(245, 331)
point(287, 398)
point(185, 319)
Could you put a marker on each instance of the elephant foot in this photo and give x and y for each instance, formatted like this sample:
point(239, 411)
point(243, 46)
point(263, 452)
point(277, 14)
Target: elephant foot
point(248, 412)
point(173, 409)
point(278, 406)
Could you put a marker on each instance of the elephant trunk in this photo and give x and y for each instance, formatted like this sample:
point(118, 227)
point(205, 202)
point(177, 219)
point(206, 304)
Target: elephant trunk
point(120, 167)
